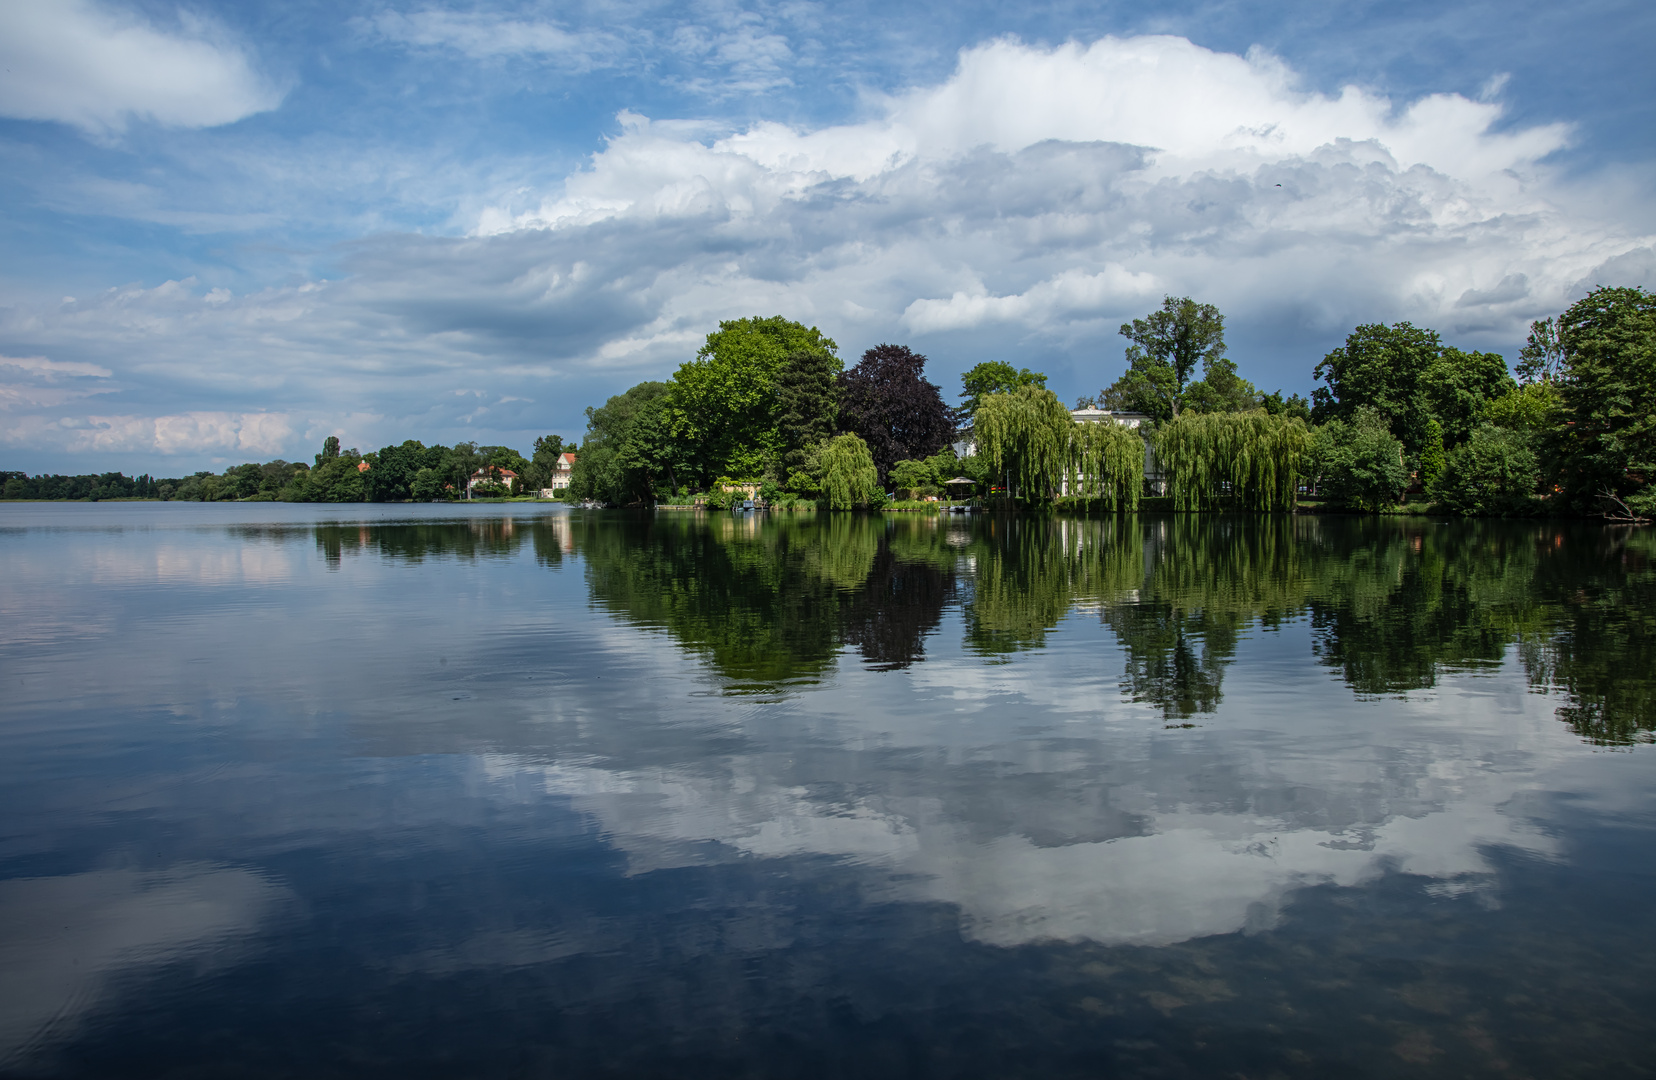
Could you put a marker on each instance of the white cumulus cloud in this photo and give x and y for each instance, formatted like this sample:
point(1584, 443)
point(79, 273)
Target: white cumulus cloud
point(98, 66)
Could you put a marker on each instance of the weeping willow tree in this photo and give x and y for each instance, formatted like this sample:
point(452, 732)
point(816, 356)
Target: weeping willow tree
point(1106, 462)
point(1025, 434)
point(1233, 461)
point(847, 470)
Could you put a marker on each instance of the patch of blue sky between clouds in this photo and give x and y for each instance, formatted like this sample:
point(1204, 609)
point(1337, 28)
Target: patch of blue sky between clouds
point(470, 221)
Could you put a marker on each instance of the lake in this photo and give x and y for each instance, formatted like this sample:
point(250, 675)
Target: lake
point(514, 790)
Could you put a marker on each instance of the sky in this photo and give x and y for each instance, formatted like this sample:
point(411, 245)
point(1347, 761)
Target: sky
point(228, 231)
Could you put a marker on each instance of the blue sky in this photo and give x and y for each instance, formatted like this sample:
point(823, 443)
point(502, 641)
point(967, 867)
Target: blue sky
point(233, 229)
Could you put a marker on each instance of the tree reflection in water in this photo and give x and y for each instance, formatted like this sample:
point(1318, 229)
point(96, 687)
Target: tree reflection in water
point(1393, 603)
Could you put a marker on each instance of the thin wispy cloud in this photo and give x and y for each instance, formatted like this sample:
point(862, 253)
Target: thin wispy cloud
point(486, 35)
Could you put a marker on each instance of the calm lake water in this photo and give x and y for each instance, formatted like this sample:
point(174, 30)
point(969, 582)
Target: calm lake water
point(516, 791)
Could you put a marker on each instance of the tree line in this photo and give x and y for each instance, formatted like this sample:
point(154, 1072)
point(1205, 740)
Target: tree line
point(767, 403)
point(407, 471)
point(1398, 411)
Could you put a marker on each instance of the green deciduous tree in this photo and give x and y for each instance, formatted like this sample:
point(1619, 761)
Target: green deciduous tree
point(1534, 407)
point(1493, 473)
point(1542, 355)
point(1221, 390)
point(1432, 457)
point(724, 401)
point(543, 461)
point(1458, 386)
point(630, 447)
point(992, 377)
point(807, 404)
point(847, 476)
point(1106, 464)
point(1608, 383)
point(1167, 345)
point(1407, 375)
point(394, 469)
point(1358, 463)
point(1243, 461)
point(1025, 435)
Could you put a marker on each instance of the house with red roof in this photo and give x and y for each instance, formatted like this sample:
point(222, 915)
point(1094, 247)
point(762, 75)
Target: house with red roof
point(561, 471)
point(492, 474)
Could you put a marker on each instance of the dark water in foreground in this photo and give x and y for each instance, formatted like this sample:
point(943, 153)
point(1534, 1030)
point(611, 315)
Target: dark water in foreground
point(386, 791)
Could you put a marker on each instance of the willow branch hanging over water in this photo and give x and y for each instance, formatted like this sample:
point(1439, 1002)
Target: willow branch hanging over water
point(1106, 462)
point(1233, 461)
point(1026, 434)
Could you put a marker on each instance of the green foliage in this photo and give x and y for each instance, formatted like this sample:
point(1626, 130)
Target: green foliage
point(724, 404)
point(596, 475)
point(504, 457)
point(1358, 465)
point(925, 476)
point(1533, 406)
point(847, 474)
point(805, 480)
point(426, 485)
point(335, 479)
point(630, 448)
point(1493, 473)
point(917, 476)
point(1106, 463)
point(1147, 390)
point(807, 403)
point(1542, 356)
point(1294, 405)
point(395, 467)
point(1025, 437)
point(1409, 377)
point(1166, 347)
point(993, 377)
point(543, 463)
point(1608, 383)
point(1221, 390)
point(1432, 457)
point(1243, 461)
point(1458, 387)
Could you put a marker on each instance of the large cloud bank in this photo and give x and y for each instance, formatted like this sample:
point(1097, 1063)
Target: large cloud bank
point(1023, 207)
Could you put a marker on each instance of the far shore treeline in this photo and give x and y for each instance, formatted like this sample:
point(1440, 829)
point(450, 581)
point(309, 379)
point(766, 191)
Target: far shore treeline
point(767, 406)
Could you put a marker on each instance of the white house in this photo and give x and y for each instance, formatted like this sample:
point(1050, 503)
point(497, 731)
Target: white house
point(561, 470)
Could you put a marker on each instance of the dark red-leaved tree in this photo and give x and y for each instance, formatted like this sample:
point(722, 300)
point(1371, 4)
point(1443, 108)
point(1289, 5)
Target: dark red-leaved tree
point(888, 402)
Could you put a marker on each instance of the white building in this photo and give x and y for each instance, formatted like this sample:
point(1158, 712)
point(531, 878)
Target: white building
point(561, 470)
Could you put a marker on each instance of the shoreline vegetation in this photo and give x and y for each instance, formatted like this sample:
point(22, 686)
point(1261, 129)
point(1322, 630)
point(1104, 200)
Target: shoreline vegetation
point(767, 414)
